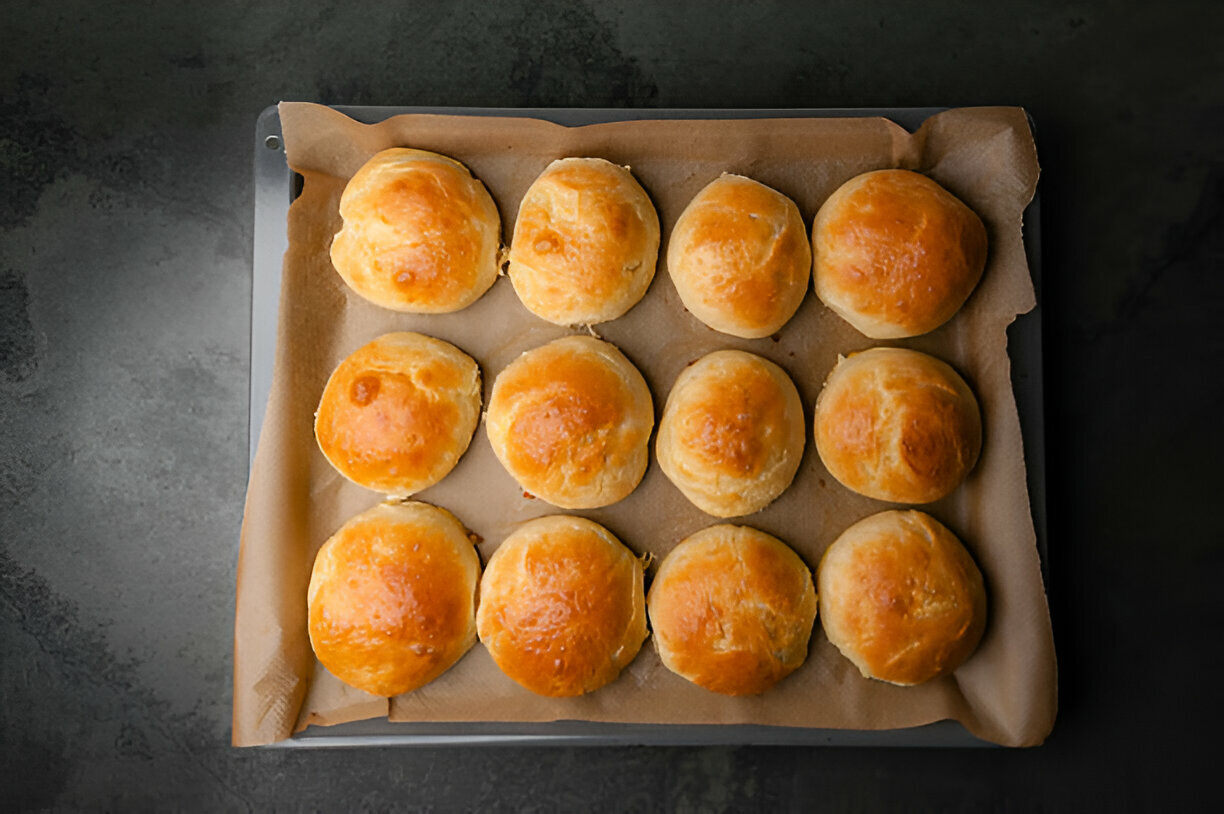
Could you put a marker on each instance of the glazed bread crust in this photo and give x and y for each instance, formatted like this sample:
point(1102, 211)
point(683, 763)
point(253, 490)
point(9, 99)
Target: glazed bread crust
point(732, 433)
point(901, 598)
point(420, 235)
point(392, 598)
point(562, 606)
point(586, 242)
point(897, 425)
point(399, 412)
point(739, 257)
point(732, 610)
point(571, 421)
point(895, 254)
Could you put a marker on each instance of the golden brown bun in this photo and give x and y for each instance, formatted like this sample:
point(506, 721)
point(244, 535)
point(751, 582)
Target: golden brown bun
point(585, 243)
point(399, 412)
point(897, 425)
point(571, 421)
point(895, 254)
point(420, 233)
point(732, 610)
point(901, 597)
point(739, 257)
point(732, 433)
point(392, 598)
point(561, 606)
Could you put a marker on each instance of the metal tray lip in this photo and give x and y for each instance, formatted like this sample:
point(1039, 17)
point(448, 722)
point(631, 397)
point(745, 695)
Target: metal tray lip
point(379, 732)
point(273, 194)
point(909, 117)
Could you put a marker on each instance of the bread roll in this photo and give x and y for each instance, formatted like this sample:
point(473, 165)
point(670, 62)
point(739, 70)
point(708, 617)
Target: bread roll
point(420, 234)
point(732, 610)
point(399, 412)
point(901, 598)
point(585, 243)
point(571, 421)
point(895, 254)
point(739, 257)
point(392, 598)
point(732, 433)
point(897, 425)
point(561, 606)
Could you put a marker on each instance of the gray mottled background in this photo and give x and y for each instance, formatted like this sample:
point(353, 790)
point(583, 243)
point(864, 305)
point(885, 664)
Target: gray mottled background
point(125, 242)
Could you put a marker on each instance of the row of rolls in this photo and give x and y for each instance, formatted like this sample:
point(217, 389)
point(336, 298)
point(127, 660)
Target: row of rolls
point(398, 595)
point(891, 251)
point(571, 422)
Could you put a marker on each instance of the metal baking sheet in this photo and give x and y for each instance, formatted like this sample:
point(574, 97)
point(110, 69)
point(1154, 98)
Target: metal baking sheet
point(276, 186)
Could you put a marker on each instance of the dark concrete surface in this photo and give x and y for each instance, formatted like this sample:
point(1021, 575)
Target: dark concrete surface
point(126, 223)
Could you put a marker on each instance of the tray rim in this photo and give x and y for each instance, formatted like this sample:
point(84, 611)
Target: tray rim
point(276, 186)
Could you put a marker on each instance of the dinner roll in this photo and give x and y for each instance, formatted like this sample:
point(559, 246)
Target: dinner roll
point(897, 425)
point(571, 421)
point(732, 433)
point(561, 606)
point(399, 412)
point(895, 254)
point(901, 597)
point(732, 610)
point(739, 257)
point(392, 598)
point(585, 243)
point(420, 233)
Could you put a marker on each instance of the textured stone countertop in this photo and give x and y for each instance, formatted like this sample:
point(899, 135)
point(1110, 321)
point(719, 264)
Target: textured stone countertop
point(125, 278)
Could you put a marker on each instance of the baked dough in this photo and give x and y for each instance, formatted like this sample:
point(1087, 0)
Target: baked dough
point(585, 243)
point(562, 607)
point(420, 233)
point(399, 412)
point(392, 598)
point(739, 257)
point(570, 421)
point(732, 433)
point(895, 254)
point(897, 425)
point(901, 597)
point(732, 610)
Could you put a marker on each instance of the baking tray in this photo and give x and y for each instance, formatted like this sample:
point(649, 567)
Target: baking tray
point(276, 186)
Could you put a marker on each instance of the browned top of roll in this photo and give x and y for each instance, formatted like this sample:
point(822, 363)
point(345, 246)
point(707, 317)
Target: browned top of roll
point(571, 422)
point(897, 425)
point(399, 412)
point(739, 257)
point(420, 234)
point(732, 610)
point(895, 254)
point(901, 597)
point(732, 433)
point(392, 598)
point(562, 608)
point(585, 243)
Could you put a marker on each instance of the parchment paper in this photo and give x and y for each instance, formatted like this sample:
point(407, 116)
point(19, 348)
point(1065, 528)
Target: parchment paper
point(1005, 693)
